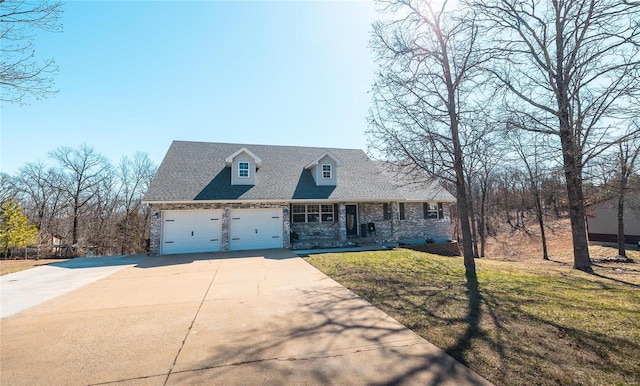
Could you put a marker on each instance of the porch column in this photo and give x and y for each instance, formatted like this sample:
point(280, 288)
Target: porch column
point(155, 231)
point(342, 223)
point(395, 220)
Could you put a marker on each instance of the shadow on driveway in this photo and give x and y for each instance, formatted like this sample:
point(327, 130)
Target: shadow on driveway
point(98, 261)
point(328, 336)
point(168, 260)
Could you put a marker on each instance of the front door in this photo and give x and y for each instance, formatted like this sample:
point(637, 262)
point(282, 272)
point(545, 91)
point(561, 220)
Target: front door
point(352, 220)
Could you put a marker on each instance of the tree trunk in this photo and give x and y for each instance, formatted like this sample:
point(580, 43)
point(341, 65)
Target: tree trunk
point(545, 254)
point(74, 231)
point(483, 221)
point(575, 195)
point(622, 251)
point(474, 226)
point(461, 192)
point(572, 160)
point(465, 227)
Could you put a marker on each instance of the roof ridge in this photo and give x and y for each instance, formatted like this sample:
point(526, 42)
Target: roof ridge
point(267, 145)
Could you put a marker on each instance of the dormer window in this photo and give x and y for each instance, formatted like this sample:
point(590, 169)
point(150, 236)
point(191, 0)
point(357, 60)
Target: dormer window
point(326, 171)
point(243, 164)
point(323, 169)
point(243, 169)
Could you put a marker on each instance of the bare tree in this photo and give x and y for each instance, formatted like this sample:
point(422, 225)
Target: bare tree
point(484, 156)
point(570, 66)
point(135, 174)
point(627, 157)
point(533, 152)
point(43, 200)
point(7, 186)
point(423, 94)
point(20, 73)
point(84, 170)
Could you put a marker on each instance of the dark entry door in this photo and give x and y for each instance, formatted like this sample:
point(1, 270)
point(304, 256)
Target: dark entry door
point(352, 220)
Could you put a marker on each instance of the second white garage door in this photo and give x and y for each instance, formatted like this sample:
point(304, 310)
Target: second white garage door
point(255, 229)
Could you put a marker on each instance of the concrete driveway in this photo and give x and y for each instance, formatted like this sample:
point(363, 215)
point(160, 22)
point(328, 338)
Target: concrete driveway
point(262, 317)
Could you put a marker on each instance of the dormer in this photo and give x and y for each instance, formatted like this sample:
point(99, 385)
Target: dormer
point(323, 169)
point(243, 164)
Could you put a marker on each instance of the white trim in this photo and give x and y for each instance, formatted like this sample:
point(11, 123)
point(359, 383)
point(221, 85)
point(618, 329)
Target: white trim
point(320, 213)
point(327, 153)
point(310, 201)
point(330, 172)
point(357, 216)
point(428, 200)
point(229, 159)
point(247, 169)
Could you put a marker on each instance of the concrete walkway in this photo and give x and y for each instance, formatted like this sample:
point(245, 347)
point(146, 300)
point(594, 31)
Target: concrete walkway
point(25, 289)
point(259, 318)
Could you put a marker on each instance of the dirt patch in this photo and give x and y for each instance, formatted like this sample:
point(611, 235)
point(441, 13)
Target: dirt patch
point(524, 245)
point(442, 249)
point(10, 266)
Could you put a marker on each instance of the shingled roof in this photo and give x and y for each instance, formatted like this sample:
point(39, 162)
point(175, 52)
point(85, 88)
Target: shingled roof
point(413, 184)
point(197, 171)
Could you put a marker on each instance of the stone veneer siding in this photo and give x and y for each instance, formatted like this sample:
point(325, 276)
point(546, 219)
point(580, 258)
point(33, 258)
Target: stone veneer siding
point(413, 230)
point(322, 235)
point(156, 220)
point(373, 212)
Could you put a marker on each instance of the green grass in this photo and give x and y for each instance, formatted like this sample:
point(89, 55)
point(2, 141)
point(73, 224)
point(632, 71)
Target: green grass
point(521, 323)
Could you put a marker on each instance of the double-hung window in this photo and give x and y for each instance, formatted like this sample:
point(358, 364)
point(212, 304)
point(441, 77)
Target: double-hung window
point(243, 169)
point(326, 171)
point(433, 211)
point(312, 213)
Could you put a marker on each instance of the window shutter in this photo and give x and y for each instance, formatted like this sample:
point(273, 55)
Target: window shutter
point(336, 209)
point(440, 211)
point(385, 211)
point(425, 210)
point(290, 213)
point(402, 216)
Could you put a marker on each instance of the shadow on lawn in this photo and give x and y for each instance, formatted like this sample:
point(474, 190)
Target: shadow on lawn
point(521, 339)
point(615, 279)
point(507, 329)
point(474, 312)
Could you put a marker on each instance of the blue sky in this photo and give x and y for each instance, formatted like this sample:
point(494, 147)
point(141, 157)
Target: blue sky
point(137, 75)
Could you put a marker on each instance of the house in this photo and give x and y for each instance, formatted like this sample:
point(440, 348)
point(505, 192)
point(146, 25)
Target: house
point(602, 221)
point(221, 197)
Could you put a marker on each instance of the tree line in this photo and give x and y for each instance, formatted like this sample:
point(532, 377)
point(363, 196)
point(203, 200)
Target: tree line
point(470, 91)
point(80, 199)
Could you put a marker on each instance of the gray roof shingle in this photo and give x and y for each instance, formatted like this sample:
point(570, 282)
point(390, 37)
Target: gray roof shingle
point(193, 171)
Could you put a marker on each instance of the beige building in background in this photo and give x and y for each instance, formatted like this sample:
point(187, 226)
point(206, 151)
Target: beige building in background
point(603, 221)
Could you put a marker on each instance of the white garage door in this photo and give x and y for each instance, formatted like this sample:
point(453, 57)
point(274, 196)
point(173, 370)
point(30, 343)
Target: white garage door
point(255, 229)
point(191, 231)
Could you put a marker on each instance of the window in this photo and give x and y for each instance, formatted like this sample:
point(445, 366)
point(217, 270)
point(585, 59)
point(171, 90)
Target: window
point(298, 213)
point(433, 211)
point(312, 213)
point(243, 169)
point(326, 171)
point(386, 212)
point(327, 213)
point(402, 215)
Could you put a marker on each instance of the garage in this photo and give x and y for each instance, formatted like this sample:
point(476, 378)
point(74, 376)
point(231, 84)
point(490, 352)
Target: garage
point(191, 231)
point(255, 229)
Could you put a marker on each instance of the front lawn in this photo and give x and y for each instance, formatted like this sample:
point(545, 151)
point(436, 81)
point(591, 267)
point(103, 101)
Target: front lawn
point(521, 323)
point(8, 266)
